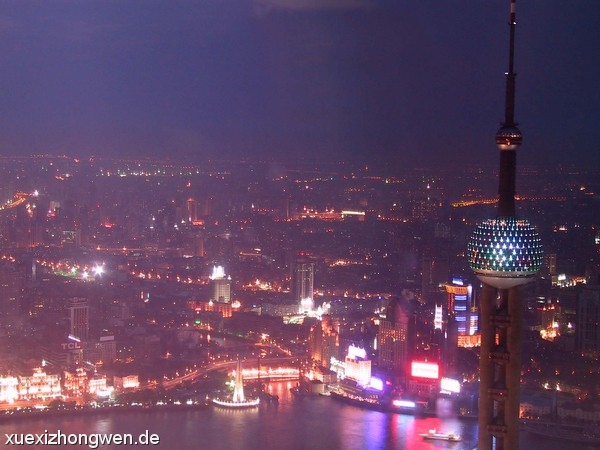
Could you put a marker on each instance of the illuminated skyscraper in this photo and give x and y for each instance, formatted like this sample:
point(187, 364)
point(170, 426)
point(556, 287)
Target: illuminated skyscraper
point(464, 312)
point(323, 342)
point(505, 253)
point(221, 285)
point(79, 318)
point(191, 210)
point(394, 337)
point(302, 285)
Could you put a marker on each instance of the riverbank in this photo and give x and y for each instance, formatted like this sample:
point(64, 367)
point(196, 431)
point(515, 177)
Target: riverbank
point(32, 413)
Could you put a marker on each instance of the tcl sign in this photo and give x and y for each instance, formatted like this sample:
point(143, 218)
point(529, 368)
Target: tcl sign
point(71, 346)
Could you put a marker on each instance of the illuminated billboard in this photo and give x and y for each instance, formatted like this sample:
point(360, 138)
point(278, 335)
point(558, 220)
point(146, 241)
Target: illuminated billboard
point(422, 369)
point(450, 385)
point(376, 384)
point(404, 404)
point(356, 352)
point(438, 318)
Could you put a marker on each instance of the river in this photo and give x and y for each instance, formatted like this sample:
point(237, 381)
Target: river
point(295, 423)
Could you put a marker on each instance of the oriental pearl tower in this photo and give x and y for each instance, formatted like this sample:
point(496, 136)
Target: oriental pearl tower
point(504, 253)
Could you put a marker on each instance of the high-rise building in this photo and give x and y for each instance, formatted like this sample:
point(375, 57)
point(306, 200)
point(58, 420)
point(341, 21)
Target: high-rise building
point(302, 285)
point(79, 318)
point(323, 342)
point(456, 324)
point(394, 337)
point(549, 268)
point(221, 285)
point(464, 313)
point(504, 253)
point(358, 365)
point(191, 210)
point(588, 317)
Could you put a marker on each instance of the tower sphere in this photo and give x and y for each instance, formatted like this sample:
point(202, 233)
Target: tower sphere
point(505, 252)
point(508, 137)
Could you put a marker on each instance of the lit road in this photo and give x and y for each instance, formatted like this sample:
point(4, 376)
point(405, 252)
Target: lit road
point(19, 199)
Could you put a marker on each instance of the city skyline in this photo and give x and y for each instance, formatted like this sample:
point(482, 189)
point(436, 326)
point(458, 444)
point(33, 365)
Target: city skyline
point(294, 80)
point(120, 237)
point(242, 204)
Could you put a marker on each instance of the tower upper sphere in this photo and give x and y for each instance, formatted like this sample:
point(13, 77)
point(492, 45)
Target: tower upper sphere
point(509, 137)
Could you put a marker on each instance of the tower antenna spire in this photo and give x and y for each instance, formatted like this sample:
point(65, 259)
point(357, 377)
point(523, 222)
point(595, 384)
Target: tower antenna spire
point(509, 113)
point(509, 137)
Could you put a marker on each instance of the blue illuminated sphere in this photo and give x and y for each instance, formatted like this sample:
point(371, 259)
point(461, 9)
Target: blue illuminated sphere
point(505, 252)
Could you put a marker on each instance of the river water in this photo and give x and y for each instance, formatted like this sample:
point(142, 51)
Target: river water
point(295, 423)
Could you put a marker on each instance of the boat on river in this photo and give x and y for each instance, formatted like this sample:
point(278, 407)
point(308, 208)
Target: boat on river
point(433, 435)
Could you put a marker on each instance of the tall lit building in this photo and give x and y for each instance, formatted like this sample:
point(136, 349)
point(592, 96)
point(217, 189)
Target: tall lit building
point(302, 285)
point(79, 318)
point(394, 337)
point(464, 313)
point(505, 253)
point(191, 210)
point(358, 365)
point(459, 297)
point(221, 285)
point(323, 342)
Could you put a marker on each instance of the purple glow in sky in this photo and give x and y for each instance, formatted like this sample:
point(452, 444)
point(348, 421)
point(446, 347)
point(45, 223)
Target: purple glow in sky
point(408, 82)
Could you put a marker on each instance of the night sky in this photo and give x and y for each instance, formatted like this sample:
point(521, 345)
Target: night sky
point(408, 82)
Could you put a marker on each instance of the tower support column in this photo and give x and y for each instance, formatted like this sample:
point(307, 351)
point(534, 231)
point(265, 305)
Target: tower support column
point(486, 369)
point(513, 370)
